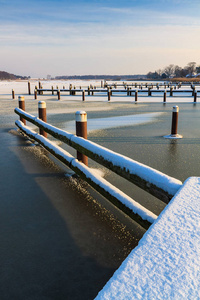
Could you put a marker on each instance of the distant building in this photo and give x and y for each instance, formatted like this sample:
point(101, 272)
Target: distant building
point(48, 77)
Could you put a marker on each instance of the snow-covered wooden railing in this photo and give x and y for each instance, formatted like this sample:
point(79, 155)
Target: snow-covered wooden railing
point(151, 180)
point(156, 183)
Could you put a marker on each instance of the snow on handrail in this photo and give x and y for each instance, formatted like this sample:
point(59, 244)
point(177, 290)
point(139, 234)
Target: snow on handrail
point(153, 181)
point(129, 206)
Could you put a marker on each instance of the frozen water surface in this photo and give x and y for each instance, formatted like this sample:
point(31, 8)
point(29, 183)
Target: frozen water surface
point(55, 228)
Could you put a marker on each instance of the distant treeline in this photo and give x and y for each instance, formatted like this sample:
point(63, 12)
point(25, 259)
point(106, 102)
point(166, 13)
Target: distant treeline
point(171, 71)
point(7, 76)
point(99, 77)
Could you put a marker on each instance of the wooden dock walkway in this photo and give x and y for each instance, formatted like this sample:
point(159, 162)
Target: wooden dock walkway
point(165, 264)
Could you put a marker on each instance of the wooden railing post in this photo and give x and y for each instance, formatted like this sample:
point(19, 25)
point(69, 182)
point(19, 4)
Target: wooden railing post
point(81, 130)
point(22, 106)
point(42, 115)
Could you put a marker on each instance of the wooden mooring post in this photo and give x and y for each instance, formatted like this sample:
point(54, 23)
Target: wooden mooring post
point(35, 94)
point(29, 88)
point(174, 128)
point(164, 96)
point(81, 130)
point(83, 95)
point(195, 96)
point(13, 94)
point(109, 94)
point(58, 93)
point(42, 115)
point(136, 96)
point(22, 106)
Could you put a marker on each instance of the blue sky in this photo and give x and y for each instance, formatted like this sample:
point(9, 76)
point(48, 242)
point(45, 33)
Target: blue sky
point(97, 37)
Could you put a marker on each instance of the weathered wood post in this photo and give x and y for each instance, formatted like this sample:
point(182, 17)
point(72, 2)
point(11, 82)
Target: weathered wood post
point(88, 91)
point(174, 128)
point(40, 86)
point(58, 93)
point(109, 94)
point(70, 89)
point(22, 106)
point(52, 89)
point(81, 130)
point(13, 94)
point(127, 90)
point(74, 91)
point(136, 96)
point(164, 96)
point(29, 88)
point(42, 115)
point(195, 96)
point(83, 95)
point(35, 94)
point(171, 91)
point(149, 91)
point(193, 90)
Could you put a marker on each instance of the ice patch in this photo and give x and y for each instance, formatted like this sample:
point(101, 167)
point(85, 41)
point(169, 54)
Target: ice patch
point(114, 122)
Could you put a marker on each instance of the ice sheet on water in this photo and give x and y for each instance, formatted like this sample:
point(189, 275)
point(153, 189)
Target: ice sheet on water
point(112, 122)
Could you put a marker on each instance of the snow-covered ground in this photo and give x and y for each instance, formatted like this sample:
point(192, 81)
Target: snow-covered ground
point(165, 264)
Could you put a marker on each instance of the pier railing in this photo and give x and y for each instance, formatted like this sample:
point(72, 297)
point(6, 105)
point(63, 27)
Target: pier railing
point(156, 183)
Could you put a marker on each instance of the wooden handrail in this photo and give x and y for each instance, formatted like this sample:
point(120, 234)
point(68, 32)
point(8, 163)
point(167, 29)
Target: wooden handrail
point(156, 183)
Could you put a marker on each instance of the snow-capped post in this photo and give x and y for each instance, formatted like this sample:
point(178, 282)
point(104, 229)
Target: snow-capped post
point(83, 95)
point(164, 96)
point(13, 94)
point(136, 96)
point(81, 130)
point(195, 96)
point(35, 94)
point(58, 93)
point(42, 115)
point(22, 106)
point(174, 128)
point(29, 88)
